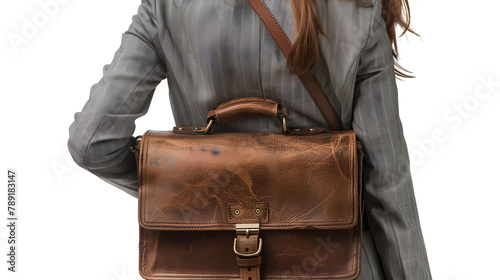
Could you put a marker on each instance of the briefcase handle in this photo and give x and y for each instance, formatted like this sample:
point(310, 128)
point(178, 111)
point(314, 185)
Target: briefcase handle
point(246, 106)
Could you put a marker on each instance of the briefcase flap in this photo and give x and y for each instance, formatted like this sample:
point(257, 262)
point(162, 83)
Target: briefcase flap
point(214, 181)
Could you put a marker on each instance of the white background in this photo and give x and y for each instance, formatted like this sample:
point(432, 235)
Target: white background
point(72, 225)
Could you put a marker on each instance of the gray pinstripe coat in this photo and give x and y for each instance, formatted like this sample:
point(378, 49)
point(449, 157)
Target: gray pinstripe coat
point(212, 51)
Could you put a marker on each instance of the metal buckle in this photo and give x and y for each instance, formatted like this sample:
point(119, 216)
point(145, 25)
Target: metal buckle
point(207, 129)
point(135, 143)
point(247, 229)
point(285, 129)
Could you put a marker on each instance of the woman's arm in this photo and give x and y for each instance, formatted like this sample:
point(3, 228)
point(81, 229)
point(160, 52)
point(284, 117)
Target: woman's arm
point(389, 197)
point(99, 138)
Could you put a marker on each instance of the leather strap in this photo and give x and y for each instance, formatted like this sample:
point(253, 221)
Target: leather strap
point(249, 267)
point(310, 83)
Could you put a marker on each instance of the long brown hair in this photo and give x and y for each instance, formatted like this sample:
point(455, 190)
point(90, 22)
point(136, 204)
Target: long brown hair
point(305, 48)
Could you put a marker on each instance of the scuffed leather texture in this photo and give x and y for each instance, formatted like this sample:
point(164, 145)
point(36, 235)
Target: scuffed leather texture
point(188, 184)
point(307, 181)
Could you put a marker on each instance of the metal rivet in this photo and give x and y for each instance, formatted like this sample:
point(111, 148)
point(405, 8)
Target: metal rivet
point(257, 211)
point(237, 212)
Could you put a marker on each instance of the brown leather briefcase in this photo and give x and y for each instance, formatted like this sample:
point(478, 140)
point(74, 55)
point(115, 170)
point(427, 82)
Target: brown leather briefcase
point(251, 205)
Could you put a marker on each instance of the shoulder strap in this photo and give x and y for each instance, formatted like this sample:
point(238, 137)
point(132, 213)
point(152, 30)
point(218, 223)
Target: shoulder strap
point(306, 78)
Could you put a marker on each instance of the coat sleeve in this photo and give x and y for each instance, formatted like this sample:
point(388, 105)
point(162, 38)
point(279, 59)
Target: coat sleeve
point(100, 136)
point(390, 203)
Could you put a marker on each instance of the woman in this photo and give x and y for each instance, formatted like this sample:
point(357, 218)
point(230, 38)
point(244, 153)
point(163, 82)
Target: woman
point(213, 51)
